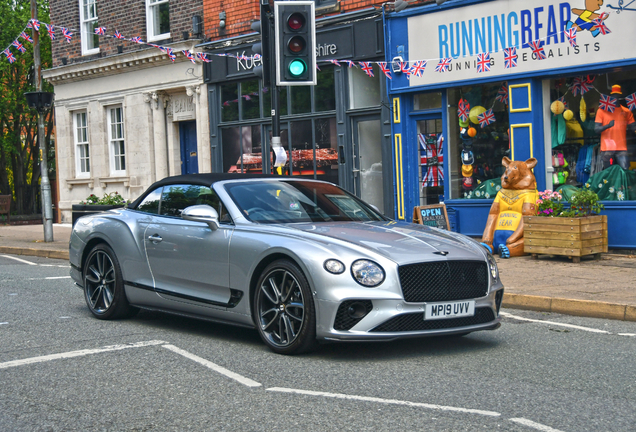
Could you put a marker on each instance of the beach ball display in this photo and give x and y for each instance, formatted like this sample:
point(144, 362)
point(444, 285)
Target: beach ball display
point(568, 115)
point(557, 107)
point(474, 112)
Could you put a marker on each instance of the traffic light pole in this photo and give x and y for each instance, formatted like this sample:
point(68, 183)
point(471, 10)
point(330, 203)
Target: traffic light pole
point(275, 91)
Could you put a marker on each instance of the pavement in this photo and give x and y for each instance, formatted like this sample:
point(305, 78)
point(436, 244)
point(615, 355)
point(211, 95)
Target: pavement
point(604, 288)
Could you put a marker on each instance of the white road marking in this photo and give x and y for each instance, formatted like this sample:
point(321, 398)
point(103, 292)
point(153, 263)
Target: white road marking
point(4, 323)
point(18, 259)
point(627, 334)
point(537, 426)
point(588, 329)
point(79, 353)
point(385, 401)
point(220, 369)
point(58, 277)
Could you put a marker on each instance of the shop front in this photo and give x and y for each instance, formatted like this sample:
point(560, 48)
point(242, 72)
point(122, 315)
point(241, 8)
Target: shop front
point(338, 130)
point(550, 80)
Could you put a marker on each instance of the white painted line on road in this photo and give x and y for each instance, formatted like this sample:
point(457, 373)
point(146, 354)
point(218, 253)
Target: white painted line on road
point(18, 259)
point(58, 277)
point(537, 426)
point(79, 353)
point(627, 334)
point(588, 329)
point(220, 369)
point(4, 323)
point(385, 401)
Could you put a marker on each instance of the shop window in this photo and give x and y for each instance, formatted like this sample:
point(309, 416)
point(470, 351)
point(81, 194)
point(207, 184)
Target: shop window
point(326, 149)
point(300, 99)
point(581, 157)
point(250, 100)
point(267, 101)
point(230, 102)
point(364, 91)
point(158, 19)
point(427, 101)
point(88, 24)
point(325, 91)
point(242, 149)
point(476, 149)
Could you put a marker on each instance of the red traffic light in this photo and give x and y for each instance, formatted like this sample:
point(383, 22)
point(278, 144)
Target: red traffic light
point(296, 44)
point(296, 21)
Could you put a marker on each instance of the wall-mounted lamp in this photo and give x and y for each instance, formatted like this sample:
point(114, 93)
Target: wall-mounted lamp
point(197, 26)
point(120, 49)
point(222, 18)
point(64, 60)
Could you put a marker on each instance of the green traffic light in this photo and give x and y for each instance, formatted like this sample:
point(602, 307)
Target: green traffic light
point(297, 67)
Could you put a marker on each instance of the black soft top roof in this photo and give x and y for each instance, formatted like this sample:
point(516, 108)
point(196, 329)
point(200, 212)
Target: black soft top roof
point(207, 179)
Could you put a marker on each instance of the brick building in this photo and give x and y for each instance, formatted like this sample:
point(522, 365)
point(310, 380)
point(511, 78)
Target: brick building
point(126, 115)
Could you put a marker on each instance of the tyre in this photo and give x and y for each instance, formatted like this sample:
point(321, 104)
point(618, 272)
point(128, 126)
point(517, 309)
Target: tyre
point(284, 311)
point(104, 285)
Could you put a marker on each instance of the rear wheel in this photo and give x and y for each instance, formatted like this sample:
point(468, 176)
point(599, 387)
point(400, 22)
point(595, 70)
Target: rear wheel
point(104, 285)
point(284, 309)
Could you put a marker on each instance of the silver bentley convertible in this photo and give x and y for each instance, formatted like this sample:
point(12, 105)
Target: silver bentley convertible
point(300, 260)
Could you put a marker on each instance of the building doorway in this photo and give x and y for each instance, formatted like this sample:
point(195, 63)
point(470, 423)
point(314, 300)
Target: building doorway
point(367, 175)
point(188, 143)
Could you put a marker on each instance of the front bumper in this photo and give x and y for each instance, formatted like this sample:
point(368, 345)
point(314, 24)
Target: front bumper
point(391, 319)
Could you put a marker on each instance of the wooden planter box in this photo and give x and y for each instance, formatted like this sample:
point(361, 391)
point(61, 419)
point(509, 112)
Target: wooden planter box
point(571, 237)
point(79, 210)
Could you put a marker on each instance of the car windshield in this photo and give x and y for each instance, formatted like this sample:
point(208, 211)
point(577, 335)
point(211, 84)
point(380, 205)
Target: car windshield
point(299, 201)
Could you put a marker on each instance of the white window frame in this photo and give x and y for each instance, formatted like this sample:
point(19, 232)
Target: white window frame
point(150, 23)
point(80, 137)
point(84, 21)
point(116, 141)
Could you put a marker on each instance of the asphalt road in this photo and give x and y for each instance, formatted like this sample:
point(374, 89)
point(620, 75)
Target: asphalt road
point(63, 370)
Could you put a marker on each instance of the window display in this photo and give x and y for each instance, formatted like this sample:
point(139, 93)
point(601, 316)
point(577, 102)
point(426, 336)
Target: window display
point(478, 139)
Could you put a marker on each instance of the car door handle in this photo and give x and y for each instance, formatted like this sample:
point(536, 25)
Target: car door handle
point(155, 238)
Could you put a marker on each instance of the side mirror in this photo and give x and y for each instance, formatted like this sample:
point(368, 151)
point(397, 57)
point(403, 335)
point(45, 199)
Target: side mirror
point(202, 213)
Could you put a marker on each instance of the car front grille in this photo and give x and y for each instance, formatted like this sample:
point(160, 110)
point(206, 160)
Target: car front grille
point(444, 281)
point(415, 322)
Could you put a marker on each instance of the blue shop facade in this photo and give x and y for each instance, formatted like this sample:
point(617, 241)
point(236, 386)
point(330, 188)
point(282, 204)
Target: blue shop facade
point(477, 80)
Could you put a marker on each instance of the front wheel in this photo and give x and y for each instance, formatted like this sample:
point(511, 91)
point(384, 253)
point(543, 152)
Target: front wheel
point(284, 311)
point(104, 285)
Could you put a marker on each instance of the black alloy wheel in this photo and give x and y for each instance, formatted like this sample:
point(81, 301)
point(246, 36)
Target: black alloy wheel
point(104, 285)
point(284, 311)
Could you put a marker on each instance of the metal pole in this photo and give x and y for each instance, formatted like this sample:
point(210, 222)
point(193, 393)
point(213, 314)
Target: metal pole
point(45, 185)
point(276, 141)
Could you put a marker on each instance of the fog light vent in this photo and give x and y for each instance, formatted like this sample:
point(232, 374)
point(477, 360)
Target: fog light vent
point(351, 313)
point(498, 299)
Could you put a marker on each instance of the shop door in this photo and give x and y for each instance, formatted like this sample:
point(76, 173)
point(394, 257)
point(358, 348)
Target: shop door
point(430, 145)
point(188, 139)
point(367, 160)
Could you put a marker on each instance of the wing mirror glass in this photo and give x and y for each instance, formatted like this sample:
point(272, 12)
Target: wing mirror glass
point(202, 213)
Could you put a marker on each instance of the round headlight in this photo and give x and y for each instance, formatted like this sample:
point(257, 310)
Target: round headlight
point(334, 266)
point(367, 273)
point(492, 266)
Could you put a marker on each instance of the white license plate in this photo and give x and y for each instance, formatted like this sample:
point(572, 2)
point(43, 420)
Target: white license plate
point(449, 310)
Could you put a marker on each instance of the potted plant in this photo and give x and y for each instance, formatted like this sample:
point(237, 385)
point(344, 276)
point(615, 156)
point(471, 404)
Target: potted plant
point(93, 204)
point(576, 232)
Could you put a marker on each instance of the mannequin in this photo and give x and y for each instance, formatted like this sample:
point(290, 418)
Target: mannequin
point(613, 130)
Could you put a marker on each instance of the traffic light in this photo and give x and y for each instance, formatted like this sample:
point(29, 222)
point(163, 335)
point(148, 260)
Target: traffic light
point(262, 48)
point(295, 27)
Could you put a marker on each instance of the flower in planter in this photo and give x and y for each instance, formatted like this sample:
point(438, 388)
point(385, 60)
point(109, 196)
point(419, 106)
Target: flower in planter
point(112, 198)
point(549, 203)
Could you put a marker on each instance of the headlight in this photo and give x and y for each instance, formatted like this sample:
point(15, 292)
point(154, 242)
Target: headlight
point(334, 266)
point(367, 273)
point(492, 266)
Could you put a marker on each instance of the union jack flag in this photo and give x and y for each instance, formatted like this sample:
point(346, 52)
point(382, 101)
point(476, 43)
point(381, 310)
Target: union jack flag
point(9, 55)
point(486, 118)
point(137, 39)
point(163, 49)
point(581, 85)
point(34, 24)
point(51, 30)
point(385, 69)
point(432, 159)
point(502, 94)
point(571, 35)
point(171, 54)
point(67, 34)
point(483, 62)
point(118, 35)
point(537, 49)
point(510, 57)
point(350, 63)
point(100, 31)
point(404, 68)
point(562, 100)
point(631, 101)
point(367, 68)
point(188, 55)
point(203, 57)
point(443, 65)
point(600, 25)
point(607, 103)
point(418, 68)
point(19, 46)
point(336, 62)
point(463, 110)
point(26, 37)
